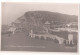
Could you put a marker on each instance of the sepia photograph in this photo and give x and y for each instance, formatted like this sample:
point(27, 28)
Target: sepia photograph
point(39, 27)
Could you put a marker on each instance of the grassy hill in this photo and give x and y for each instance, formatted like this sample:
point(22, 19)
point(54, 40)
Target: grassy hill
point(35, 19)
point(52, 17)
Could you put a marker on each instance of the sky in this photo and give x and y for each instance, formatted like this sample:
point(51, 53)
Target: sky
point(12, 11)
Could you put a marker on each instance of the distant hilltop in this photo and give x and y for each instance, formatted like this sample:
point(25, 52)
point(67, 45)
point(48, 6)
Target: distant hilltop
point(52, 17)
point(37, 19)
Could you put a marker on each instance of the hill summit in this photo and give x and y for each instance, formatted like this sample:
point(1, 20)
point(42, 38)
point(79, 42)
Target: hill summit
point(36, 19)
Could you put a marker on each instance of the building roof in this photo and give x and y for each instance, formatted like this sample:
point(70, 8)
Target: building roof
point(47, 22)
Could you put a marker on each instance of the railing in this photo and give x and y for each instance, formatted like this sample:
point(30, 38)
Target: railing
point(64, 29)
